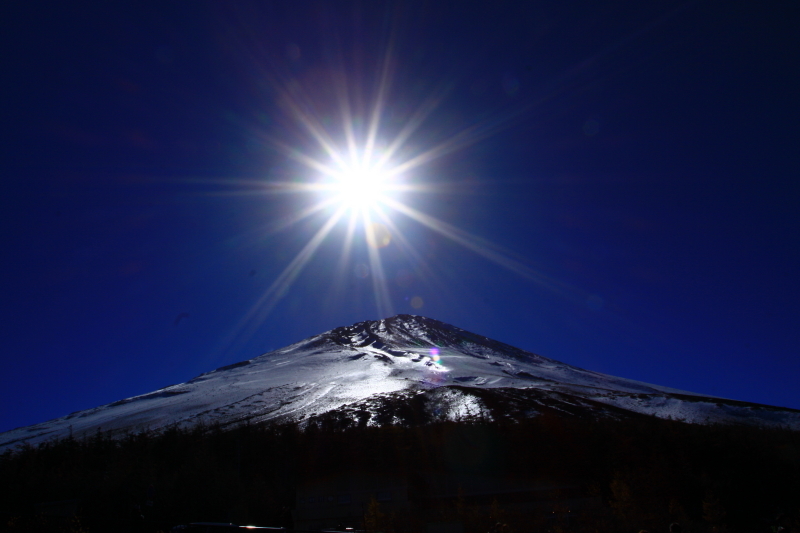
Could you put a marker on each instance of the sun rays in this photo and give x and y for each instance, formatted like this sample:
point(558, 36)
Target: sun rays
point(361, 174)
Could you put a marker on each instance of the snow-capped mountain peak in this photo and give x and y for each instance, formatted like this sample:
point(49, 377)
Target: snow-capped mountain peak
point(363, 372)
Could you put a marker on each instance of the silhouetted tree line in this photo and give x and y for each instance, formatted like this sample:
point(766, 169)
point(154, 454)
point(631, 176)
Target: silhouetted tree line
point(638, 473)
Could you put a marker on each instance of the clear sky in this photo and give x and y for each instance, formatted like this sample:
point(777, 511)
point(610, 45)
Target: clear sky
point(610, 184)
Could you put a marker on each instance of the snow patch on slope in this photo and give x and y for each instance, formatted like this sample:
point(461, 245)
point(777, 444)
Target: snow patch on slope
point(373, 359)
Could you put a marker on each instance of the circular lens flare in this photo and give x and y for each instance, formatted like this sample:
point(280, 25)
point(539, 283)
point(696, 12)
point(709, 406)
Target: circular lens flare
point(378, 235)
point(361, 180)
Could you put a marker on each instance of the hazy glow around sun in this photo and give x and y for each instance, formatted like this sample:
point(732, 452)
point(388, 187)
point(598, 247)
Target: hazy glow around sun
point(364, 181)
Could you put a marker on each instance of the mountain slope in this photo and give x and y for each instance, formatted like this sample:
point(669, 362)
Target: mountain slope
point(405, 369)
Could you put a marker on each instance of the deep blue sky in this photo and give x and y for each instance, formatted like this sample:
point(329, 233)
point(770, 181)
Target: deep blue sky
point(639, 158)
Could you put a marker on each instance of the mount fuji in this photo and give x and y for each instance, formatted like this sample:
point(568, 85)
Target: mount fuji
point(401, 370)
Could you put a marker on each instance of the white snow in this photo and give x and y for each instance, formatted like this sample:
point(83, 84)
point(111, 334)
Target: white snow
point(352, 364)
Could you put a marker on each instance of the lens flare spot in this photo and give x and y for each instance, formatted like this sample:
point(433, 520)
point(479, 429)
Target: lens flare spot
point(417, 302)
point(378, 235)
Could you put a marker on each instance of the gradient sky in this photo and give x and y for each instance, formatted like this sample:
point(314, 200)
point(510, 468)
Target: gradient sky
point(619, 190)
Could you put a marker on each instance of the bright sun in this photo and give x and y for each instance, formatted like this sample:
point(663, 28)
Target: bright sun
point(361, 180)
point(360, 188)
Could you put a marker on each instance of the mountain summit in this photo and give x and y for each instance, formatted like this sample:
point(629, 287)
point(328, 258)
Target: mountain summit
point(401, 370)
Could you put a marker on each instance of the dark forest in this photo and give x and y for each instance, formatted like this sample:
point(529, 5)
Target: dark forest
point(627, 475)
